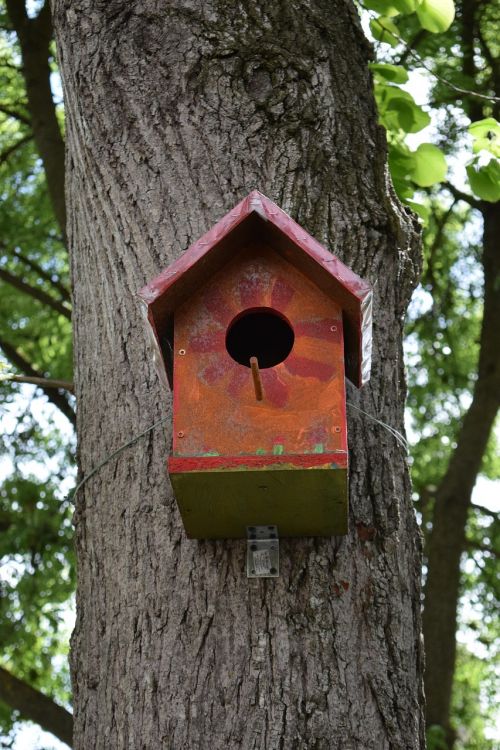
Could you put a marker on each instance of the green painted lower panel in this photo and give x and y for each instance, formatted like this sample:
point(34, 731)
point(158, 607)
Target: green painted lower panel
point(301, 502)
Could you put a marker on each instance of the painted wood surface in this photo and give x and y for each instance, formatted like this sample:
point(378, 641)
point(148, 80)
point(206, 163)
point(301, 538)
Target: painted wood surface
point(220, 504)
point(303, 406)
point(240, 461)
point(258, 218)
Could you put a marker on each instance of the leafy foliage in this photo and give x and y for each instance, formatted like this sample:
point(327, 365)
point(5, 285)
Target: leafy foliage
point(442, 349)
point(445, 317)
point(36, 454)
point(399, 112)
point(474, 709)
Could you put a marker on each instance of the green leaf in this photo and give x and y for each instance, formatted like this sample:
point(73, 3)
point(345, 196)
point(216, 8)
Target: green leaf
point(409, 116)
point(398, 109)
point(481, 128)
point(436, 15)
point(430, 165)
point(405, 6)
point(384, 7)
point(486, 135)
point(485, 181)
point(385, 30)
point(421, 210)
point(401, 162)
point(393, 73)
point(436, 738)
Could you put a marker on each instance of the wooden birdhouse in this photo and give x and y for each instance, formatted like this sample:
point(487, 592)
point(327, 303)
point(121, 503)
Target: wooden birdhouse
point(257, 326)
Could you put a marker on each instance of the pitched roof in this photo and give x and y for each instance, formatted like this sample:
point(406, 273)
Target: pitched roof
point(258, 217)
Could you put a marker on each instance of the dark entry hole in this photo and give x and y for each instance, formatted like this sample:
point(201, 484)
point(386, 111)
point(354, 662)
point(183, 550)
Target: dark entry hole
point(260, 333)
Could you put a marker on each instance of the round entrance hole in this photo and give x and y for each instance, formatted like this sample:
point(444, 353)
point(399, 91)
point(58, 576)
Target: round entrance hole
point(261, 333)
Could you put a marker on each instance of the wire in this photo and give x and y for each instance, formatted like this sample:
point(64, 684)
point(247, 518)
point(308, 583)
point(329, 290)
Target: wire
point(426, 67)
point(114, 454)
point(397, 435)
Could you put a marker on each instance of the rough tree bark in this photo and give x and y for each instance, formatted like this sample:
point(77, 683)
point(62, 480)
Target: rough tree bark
point(175, 111)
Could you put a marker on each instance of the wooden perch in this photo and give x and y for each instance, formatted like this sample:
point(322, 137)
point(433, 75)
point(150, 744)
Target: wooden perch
point(257, 383)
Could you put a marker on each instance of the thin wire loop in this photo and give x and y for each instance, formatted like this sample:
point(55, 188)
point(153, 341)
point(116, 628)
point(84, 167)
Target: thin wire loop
point(397, 435)
point(114, 454)
point(420, 59)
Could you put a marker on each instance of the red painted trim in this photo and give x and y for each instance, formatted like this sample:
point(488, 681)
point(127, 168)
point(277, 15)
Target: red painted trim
point(177, 282)
point(304, 461)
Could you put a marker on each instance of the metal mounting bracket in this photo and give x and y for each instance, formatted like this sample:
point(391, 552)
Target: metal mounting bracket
point(263, 552)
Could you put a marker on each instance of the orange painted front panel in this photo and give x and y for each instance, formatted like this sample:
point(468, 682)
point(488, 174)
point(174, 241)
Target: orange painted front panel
point(215, 408)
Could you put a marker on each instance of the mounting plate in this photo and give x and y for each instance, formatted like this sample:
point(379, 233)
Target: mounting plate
point(263, 552)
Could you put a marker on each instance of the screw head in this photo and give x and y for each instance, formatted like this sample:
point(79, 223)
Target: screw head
point(180, 434)
point(333, 328)
point(182, 352)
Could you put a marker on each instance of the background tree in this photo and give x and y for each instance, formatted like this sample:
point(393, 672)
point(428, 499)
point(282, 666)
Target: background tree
point(456, 337)
point(36, 550)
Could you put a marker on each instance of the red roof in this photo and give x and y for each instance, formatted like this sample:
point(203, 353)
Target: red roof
point(258, 217)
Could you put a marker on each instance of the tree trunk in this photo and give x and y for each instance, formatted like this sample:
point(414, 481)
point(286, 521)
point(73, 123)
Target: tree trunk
point(175, 112)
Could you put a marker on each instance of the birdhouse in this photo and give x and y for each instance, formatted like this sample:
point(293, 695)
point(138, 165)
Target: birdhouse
point(257, 326)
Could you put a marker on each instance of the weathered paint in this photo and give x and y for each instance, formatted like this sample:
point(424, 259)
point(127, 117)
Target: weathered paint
point(259, 219)
point(303, 396)
point(239, 459)
point(209, 462)
point(268, 452)
point(301, 502)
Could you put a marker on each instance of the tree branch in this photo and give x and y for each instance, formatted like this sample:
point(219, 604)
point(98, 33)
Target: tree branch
point(454, 494)
point(17, 13)
point(63, 291)
point(15, 114)
point(58, 399)
point(34, 37)
point(43, 21)
point(493, 63)
point(13, 148)
point(467, 31)
point(37, 294)
point(440, 226)
point(42, 382)
point(35, 706)
point(460, 196)
point(412, 45)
